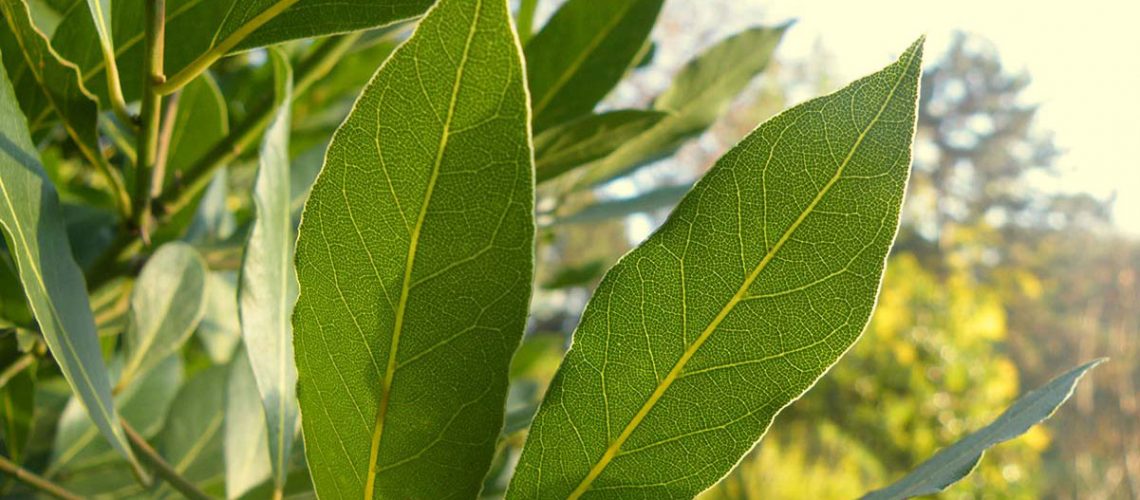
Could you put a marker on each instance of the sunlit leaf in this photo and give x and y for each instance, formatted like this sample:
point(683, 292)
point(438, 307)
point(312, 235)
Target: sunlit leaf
point(166, 305)
point(958, 460)
point(699, 95)
point(268, 281)
point(220, 331)
point(246, 439)
point(763, 276)
point(588, 138)
point(415, 261)
point(581, 53)
point(56, 291)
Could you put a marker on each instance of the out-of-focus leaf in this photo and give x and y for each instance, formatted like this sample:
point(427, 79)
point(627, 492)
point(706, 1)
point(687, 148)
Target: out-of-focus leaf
point(143, 404)
point(411, 305)
point(958, 460)
point(219, 330)
point(536, 351)
point(298, 487)
point(581, 53)
point(699, 95)
point(213, 222)
point(588, 138)
point(200, 121)
point(166, 305)
point(17, 408)
point(246, 442)
point(524, 20)
point(56, 291)
point(763, 276)
point(197, 30)
point(14, 311)
point(191, 441)
point(662, 197)
point(575, 275)
point(269, 283)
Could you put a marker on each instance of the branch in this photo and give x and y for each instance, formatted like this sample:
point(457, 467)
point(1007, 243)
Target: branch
point(17, 367)
point(204, 61)
point(31, 479)
point(151, 115)
point(161, 468)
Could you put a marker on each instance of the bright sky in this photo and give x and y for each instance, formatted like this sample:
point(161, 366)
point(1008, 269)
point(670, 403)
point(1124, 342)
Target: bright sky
point(1083, 58)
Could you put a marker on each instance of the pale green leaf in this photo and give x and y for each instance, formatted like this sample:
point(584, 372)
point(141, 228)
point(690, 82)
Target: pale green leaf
point(763, 276)
point(662, 197)
point(563, 147)
point(143, 404)
point(246, 439)
point(581, 53)
point(699, 95)
point(268, 282)
point(199, 29)
point(220, 331)
point(166, 305)
point(415, 259)
point(33, 225)
point(191, 441)
point(958, 460)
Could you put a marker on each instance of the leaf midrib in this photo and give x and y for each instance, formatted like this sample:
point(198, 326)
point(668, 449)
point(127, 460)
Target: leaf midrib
point(401, 308)
point(675, 372)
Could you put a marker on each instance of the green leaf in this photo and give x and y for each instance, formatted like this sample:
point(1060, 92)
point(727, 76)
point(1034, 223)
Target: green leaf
point(699, 95)
point(571, 276)
point(17, 406)
point(191, 442)
point(63, 92)
point(199, 31)
point(269, 283)
point(763, 276)
point(166, 305)
point(33, 225)
point(563, 147)
point(955, 462)
point(582, 52)
point(524, 20)
point(662, 197)
point(246, 442)
point(415, 259)
point(144, 405)
point(220, 331)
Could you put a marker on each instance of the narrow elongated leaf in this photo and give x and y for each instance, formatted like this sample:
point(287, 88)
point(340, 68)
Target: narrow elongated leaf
point(34, 230)
point(762, 277)
point(63, 91)
point(588, 138)
point(166, 305)
point(955, 462)
point(415, 260)
point(246, 442)
point(659, 198)
point(195, 28)
point(581, 54)
point(699, 95)
point(268, 281)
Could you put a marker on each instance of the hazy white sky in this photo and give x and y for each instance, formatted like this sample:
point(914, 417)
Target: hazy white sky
point(1083, 58)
